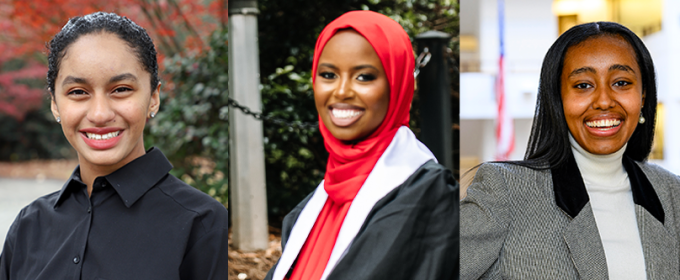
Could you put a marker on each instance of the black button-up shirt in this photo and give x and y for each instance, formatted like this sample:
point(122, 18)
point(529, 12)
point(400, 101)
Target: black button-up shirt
point(139, 223)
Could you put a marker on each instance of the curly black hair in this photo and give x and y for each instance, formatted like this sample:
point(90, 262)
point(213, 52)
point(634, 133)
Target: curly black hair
point(98, 22)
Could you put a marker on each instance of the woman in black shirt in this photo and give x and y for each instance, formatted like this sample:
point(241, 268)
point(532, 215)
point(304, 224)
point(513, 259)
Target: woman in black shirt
point(121, 215)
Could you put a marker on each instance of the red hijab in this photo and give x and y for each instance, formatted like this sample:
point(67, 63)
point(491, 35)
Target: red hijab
point(349, 164)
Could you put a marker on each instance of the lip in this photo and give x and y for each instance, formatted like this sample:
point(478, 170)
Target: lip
point(101, 130)
point(101, 144)
point(604, 131)
point(355, 113)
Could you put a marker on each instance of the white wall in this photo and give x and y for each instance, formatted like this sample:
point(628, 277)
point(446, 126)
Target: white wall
point(664, 47)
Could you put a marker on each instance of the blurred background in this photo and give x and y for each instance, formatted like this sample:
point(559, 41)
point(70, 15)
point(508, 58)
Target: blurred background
point(529, 29)
point(192, 127)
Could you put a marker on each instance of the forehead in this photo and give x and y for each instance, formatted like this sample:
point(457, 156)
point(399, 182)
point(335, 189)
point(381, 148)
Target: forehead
point(348, 44)
point(601, 51)
point(99, 55)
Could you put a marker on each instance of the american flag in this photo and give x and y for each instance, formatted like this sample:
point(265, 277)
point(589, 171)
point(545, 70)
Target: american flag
point(505, 135)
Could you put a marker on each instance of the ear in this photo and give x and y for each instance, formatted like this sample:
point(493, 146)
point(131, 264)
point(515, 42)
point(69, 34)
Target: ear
point(644, 94)
point(54, 108)
point(155, 102)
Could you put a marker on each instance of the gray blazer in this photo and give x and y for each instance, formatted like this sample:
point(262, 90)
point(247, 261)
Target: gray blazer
point(521, 223)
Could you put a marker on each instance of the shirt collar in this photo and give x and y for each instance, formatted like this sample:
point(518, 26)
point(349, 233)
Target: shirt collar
point(571, 194)
point(73, 182)
point(130, 181)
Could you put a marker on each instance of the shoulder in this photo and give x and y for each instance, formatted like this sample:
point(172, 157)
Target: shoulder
point(43, 203)
point(509, 176)
point(291, 218)
point(503, 188)
point(431, 183)
point(508, 170)
point(665, 183)
point(654, 171)
point(432, 176)
point(185, 199)
point(32, 217)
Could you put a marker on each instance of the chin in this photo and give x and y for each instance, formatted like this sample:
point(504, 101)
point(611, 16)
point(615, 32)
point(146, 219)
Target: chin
point(102, 157)
point(606, 148)
point(344, 137)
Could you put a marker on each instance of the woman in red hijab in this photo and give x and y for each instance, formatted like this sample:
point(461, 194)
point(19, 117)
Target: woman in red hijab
point(386, 209)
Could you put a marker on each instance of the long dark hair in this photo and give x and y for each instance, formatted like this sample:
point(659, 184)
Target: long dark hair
point(549, 145)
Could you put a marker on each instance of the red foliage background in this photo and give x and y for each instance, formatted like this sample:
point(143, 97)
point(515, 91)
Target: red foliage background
point(176, 26)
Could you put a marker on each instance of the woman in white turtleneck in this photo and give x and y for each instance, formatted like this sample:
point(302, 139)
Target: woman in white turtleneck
point(584, 204)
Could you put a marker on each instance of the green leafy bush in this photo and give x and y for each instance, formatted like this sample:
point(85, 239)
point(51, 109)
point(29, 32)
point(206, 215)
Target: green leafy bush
point(191, 127)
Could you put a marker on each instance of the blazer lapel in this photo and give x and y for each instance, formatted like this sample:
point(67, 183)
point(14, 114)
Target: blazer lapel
point(581, 235)
point(658, 243)
point(658, 246)
point(583, 240)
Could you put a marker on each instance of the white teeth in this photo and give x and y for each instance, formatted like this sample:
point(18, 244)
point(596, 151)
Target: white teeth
point(604, 123)
point(345, 114)
point(102, 136)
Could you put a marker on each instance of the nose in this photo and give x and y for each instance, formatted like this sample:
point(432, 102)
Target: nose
point(604, 99)
point(344, 90)
point(100, 111)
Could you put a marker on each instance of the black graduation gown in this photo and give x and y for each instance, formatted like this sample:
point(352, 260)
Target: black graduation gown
point(411, 233)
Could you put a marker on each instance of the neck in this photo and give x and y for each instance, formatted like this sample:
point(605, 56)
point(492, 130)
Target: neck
point(599, 169)
point(89, 171)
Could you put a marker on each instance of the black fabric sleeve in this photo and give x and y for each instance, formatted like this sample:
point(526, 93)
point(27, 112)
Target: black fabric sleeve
point(207, 258)
point(8, 248)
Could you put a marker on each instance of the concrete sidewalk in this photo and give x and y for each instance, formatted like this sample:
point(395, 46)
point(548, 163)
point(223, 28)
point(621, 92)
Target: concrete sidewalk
point(15, 194)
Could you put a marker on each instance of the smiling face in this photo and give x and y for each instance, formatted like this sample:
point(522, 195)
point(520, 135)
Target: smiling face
point(602, 93)
point(351, 90)
point(103, 97)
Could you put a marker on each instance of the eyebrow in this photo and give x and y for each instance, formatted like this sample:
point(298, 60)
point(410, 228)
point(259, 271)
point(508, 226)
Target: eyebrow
point(114, 79)
point(621, 67)
point(358, 67)
point(73, 80)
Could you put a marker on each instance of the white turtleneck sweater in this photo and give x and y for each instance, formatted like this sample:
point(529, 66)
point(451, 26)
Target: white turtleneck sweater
point(611, 199)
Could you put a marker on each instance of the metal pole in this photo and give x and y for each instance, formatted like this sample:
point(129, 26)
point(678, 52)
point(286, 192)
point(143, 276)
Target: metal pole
point(246, 147)
point(434, 91)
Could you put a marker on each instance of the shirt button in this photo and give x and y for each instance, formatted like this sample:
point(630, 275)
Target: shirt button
point(76, 260)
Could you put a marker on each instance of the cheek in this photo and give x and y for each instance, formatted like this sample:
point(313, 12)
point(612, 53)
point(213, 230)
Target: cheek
point(574, 107)
point(321, 95)
point(134, 112)
point(378, 100)
point(71, 114)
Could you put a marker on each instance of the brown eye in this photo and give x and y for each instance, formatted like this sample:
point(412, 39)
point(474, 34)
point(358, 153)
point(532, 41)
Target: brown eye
point(366, 77)
point(327, 75)
point(621, 83)
point(122, 89)
point(582, 86)
point(77, 92)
